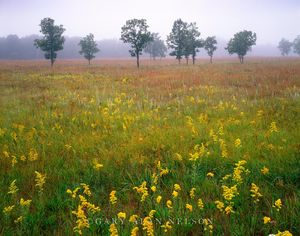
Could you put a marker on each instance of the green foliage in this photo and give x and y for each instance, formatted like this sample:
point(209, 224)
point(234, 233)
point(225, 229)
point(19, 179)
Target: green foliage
point(210, 46)
point(296, 45)
point(241, 43)
point(156, 48)
point(184, 40)
point(285, 47)
point(135, 32)
point(52, 40)
point(88, 47)
point(176, 39)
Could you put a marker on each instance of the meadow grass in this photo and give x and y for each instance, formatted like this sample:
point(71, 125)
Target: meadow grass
point(168, 149)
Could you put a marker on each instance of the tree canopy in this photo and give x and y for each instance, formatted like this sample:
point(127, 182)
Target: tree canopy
point(88, 47)
point(296, 45)
point(241, 43)
point(156, 48)
point(135, 32)
point(52, 41)
point(210, 46)
point(285, 47)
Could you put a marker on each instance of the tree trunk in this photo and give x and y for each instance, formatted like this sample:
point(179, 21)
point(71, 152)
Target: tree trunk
point(89, 61)
point(193, 60)
point(138, 60)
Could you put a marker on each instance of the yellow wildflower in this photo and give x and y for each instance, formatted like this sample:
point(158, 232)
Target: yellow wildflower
point(237, 143)
point(134, 231)
point(278, 204)
point(229, 209)
point(255, 192)
point(158, 199)
point(142, 189)
point(229, 193)
point(86, 189)
point(112, 197)
point(210, 174)
point(175, 194)
point(33, 155)
point(121, 215)
point(208, 225)
point(192, 193)
point(169, 204)
point(220, 205)
point(25, 203)
point(133, 218)
point(153, 188)
point(167, 226)
point(113, 230)
point(285, 233)
point(18, 220)
point(97, 165)
point(148, 226)
point(200, 203)
point(189, 207)
point(40, 180)
point(273, 127)
point(177, 187)
point(8, 209)
point(151, 213)
point(13, 188)
point(74, 192)
point(264, 170)
point(266, 220)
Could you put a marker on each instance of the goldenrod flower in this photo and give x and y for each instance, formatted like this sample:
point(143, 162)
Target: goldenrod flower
point(266, 220)
point(220, 205)
point(229, 193)
point(133, 218)
point(264, 170)
point(86, 189)
point(177, 187)
point(158, 199)
point(25, 203)
point(210, 174)
point(175, 194)
point(113, 230)
point(8, 209)
point(121, 215)
point(229, 209)
point(134, 231)
point(151, 213)
point(200, 203)
point(192, 193)
point(285, 233)
point(169, 204)
point(278, 204)
point(273, 127)
point(255, 192)
point(18, 220)
point(148, 226)
point(237, 143)
point(189, 207)
point(97, 165)
point(13, 189)
point(40, 180)
point(143, 190)
point(153, 188)
point(112, 197)
point(167, 226)
point(74, 192)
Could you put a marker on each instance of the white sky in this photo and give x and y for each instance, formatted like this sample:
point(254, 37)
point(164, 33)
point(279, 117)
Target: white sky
point(270, 19)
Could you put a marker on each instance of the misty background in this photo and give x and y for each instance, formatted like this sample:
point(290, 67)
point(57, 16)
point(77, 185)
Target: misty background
point(20, 19)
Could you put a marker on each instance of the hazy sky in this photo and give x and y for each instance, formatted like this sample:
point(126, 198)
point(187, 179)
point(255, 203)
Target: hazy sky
point(270, 19)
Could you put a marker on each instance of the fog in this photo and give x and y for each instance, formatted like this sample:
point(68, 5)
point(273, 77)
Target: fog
point(270, 19)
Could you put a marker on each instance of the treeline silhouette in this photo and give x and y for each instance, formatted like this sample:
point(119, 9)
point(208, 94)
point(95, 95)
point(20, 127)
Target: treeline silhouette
point(13, 47)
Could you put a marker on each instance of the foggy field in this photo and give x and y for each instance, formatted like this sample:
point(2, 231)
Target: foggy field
point(109, 149)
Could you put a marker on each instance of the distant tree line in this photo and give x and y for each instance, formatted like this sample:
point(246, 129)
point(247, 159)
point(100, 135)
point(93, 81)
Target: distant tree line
point(183, 42)
point(285, 46)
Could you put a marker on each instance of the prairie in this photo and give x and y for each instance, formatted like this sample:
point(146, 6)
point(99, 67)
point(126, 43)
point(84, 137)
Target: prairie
point(107, 149)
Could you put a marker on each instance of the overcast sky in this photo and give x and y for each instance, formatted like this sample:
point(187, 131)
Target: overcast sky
point(270, 19)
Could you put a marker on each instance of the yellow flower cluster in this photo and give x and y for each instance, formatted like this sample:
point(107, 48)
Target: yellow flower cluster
point(143, 190)
point(40, 180)
point(255, 192)
point(112, 197)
